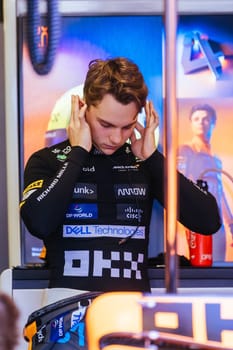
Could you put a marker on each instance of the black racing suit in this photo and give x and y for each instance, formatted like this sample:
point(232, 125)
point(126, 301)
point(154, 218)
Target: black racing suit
point(83, 204)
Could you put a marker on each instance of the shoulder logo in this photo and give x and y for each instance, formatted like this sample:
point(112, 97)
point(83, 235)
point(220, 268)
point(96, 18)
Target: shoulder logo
point(62, 153)
point(35, 184)
point(56, 150)
point(61, 157)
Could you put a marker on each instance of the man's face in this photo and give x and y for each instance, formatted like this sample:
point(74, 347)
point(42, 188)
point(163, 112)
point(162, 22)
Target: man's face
point(202, 124)
point(111, 123)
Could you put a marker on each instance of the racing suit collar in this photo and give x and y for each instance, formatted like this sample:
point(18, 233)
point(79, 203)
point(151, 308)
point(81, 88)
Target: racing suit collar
point(125, 149)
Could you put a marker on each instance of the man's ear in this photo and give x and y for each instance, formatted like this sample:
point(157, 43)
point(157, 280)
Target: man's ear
point(81, 102)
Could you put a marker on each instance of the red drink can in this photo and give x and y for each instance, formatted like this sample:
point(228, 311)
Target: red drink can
point(200, 249)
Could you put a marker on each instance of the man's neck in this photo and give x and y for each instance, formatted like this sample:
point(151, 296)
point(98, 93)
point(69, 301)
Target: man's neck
point(201, 145)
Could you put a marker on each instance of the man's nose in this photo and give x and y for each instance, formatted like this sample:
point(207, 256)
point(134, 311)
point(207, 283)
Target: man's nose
point(116, 136)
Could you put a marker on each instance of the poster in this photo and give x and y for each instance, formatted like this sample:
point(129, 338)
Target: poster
point(205, 79)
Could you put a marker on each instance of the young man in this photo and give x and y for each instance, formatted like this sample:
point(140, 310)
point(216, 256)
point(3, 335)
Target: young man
point(90, 197)
point(197, 161)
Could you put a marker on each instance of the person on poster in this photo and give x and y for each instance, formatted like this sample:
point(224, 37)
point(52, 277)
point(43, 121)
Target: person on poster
point(90, 197)
point(197, 161)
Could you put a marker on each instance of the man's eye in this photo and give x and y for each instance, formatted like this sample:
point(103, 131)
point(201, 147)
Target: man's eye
point(105, 125)
point(128, 127)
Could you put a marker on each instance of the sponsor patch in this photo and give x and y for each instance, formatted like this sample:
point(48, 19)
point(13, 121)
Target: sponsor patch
point(115, 231)
point(82, 211)
point(62, 154)
point(78, 315)
point(85, 190)
point(33, 185)
point(41, 335)
point(27, 194)
point(61, 157)
point(121, 168)
point(112, 264)
point(130, 191)
point(90, 169)
point(129, 212)
point(57, 328)
point(66, 150)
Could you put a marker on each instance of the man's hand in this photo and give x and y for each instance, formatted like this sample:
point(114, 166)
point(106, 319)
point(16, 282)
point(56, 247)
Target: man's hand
point(78, 130)
point(145, 145)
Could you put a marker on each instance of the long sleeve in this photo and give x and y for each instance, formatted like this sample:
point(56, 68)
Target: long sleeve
point(49, 185)
point(197, 209)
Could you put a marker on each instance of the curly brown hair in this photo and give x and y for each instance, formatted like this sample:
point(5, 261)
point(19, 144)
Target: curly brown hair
point(119, 77)
point(9, 315)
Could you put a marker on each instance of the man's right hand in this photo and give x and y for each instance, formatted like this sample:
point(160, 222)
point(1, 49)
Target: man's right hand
point(79, 132)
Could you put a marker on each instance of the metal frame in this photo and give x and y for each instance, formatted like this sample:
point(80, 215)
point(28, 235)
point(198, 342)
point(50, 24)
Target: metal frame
point(108, 7)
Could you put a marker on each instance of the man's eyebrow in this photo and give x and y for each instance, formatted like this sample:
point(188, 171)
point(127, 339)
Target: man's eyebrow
point(110, 124)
